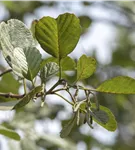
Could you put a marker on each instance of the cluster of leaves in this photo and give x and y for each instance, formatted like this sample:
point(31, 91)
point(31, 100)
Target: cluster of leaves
point(58, 37)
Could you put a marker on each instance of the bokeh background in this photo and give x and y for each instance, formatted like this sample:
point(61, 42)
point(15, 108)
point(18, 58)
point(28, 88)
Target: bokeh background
point(108, 35)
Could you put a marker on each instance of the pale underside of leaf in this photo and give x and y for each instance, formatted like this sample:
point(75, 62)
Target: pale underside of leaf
point(48, 71)
point(18, 48)
point(51, 69)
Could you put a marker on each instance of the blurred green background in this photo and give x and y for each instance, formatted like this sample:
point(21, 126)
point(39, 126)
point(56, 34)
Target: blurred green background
point(108, 34)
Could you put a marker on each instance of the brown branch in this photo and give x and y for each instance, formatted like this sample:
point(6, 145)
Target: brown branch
point(11, 95)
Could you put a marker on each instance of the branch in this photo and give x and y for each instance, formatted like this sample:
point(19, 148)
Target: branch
point(11, 95)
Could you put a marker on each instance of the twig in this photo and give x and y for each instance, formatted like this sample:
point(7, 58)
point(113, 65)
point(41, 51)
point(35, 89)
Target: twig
point(53, 87)
point(71, 96)
point(62, 89)
point(60, 69)
point(24, 85)
point(64, 98)
point(11, 95)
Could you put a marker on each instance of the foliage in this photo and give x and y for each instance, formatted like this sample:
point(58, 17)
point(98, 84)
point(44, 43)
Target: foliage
point(58, 37)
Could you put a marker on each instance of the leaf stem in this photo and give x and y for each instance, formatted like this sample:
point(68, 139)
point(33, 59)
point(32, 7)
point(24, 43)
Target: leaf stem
point(71, 96)
point(33, 83)
point(24, 85)
point(87, 89)
point(62, 89)
point(64, 98)
point(53, 87)
point(5, 72)
point(60, 69)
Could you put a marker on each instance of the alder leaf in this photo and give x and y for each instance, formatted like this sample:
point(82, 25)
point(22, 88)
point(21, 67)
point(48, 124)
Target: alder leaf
point(18, 48)
point(109, 122)
point(49, 70)
point(8, 84)
point(9, 133)
point(58, 37)
point(118, 85)
point(67, 63)
point(68, 127)
point(86, 66)
point(26, 99)
point(100, 115)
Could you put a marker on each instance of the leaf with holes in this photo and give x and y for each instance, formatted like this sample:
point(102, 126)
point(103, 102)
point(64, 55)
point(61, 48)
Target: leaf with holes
point(59, 36)
point(86, 66)
point(118, 85)
point(18, 48)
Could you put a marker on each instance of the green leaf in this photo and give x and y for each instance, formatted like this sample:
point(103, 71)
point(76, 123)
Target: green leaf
point(69, 77)
point(68, 127)
point(49, 70)
point(67, 63)
point(100, 115)
point(9, 133)
point(85, 22)
point(33, 24)
point(118, 85)
point(26, 99)
point(48, 60)
point(59, 36)
point(108, 123)
point(8, 84)
point(18, 48)
point(86, 66)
